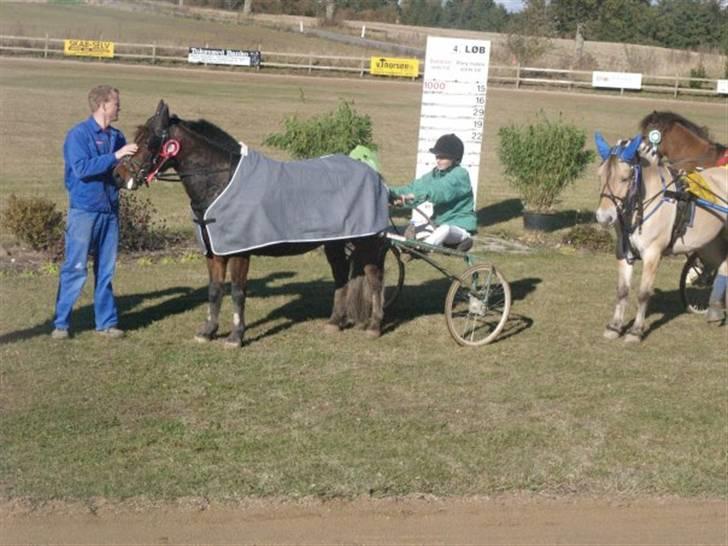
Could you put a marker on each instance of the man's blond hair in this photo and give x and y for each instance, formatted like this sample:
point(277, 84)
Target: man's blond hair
point(99, 95)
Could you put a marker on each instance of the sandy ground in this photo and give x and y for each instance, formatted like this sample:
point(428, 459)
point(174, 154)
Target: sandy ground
point(503, 520)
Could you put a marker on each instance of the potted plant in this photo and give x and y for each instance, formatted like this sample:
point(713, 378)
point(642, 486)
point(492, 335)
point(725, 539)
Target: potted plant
point(540, 160)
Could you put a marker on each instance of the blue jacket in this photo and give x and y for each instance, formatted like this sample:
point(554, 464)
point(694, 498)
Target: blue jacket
point(88, 152)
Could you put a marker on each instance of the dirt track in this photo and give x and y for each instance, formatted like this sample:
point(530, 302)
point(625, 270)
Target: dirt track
point(506, 520)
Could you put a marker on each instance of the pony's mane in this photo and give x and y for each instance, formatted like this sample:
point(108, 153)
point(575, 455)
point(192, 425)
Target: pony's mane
point(664, 120)
point(211, 132)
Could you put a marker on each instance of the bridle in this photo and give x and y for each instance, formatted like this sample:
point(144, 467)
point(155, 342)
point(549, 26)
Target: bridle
point(168, 150)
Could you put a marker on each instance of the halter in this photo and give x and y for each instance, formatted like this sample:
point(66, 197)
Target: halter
point(630, 208)
point(169, 149)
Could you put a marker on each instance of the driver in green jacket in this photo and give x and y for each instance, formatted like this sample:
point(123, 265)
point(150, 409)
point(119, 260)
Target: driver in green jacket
point(448, 188)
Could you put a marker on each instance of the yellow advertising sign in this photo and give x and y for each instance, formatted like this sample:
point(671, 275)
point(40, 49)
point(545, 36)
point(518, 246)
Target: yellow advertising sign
point(394, 66)
point(88, 48)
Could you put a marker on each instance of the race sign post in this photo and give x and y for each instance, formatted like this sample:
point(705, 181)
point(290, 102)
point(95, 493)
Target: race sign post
point(453, 101)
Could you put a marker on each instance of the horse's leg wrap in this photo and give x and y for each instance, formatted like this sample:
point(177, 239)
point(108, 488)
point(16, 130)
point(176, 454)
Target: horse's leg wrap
point(235, 338)
point(214, 297)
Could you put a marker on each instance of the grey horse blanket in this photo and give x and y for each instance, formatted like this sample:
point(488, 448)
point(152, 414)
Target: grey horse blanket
point(269, 202)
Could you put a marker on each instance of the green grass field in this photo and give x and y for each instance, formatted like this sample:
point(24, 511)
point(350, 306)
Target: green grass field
point(551, 407)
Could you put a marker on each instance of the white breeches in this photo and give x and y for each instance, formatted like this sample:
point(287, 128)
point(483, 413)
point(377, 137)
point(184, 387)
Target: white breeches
point(443, 235)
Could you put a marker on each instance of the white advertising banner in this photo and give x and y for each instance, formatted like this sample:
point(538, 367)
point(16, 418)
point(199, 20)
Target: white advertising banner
point(617, 80)
point(454, 88)
point(722, 87)
point(235, 57)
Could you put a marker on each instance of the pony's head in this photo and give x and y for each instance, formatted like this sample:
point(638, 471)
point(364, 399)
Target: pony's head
point(616, 175)
point(155, 148)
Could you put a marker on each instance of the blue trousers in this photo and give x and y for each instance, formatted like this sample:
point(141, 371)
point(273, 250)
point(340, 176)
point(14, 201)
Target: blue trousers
point(95, 233)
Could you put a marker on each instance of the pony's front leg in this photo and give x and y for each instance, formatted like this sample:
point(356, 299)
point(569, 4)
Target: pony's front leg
point(624, 278)
point(336, 256)
point(239, 266)
point(650, 260)
point(216, 266)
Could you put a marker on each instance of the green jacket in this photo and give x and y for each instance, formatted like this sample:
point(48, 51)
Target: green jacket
point(450, 193)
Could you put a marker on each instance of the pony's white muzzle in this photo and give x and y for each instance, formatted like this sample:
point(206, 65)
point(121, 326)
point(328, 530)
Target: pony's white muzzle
point(606, 217)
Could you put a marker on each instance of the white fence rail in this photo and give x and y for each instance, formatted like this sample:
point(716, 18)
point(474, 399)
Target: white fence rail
point(516, 76)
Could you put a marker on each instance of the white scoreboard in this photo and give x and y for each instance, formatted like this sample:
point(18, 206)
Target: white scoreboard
point(453, 100)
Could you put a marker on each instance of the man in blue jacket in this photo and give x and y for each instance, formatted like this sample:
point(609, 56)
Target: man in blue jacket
point(91, 150)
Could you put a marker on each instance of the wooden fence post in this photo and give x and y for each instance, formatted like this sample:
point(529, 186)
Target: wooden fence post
point(518, 75)
point(45, 47)
point(154, 52)
point(677, 87)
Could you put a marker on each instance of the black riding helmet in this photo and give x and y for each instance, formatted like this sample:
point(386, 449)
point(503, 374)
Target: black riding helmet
point(449, 146)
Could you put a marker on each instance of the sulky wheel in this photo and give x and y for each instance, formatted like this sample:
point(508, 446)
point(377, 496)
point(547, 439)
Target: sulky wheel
point(477, 305)
point(393, 275)
point(696, 282)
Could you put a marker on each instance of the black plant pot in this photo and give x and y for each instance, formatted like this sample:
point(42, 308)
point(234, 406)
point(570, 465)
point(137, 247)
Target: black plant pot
point(542, 221)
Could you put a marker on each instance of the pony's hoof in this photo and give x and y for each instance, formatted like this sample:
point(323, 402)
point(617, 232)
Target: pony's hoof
point(233, 341)
point(632, 338)
point(372, 333)
point(331, 328)
point(202, 338)
point(611, 334)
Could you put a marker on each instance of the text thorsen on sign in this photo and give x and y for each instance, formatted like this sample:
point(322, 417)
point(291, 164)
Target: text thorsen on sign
point(394, 66)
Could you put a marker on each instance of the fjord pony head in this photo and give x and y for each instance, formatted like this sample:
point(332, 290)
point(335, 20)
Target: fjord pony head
point(617, 175)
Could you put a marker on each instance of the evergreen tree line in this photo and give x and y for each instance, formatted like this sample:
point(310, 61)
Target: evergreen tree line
point(679, 24)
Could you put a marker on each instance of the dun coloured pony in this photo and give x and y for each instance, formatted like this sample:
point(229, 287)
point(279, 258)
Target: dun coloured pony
point(635, 197)
point(205, 157)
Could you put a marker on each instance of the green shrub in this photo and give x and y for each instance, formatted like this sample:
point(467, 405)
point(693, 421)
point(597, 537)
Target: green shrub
point(138, 230)
point(328, 133)
point(697, 72)
point(35, 222)
point(541, 159)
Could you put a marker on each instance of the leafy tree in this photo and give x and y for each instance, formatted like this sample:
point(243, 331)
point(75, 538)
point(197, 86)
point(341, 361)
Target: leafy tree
point(422, 13)
point(529, 31)
point(475, 15)
point(691, 23)
point(567, 14)
point(627, 21)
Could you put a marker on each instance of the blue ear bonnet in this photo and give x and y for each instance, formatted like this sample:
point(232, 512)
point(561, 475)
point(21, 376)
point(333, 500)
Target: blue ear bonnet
point(625, 152)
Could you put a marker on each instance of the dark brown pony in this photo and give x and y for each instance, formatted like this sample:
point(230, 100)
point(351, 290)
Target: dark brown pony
point(683, 143)
point(204, 157)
